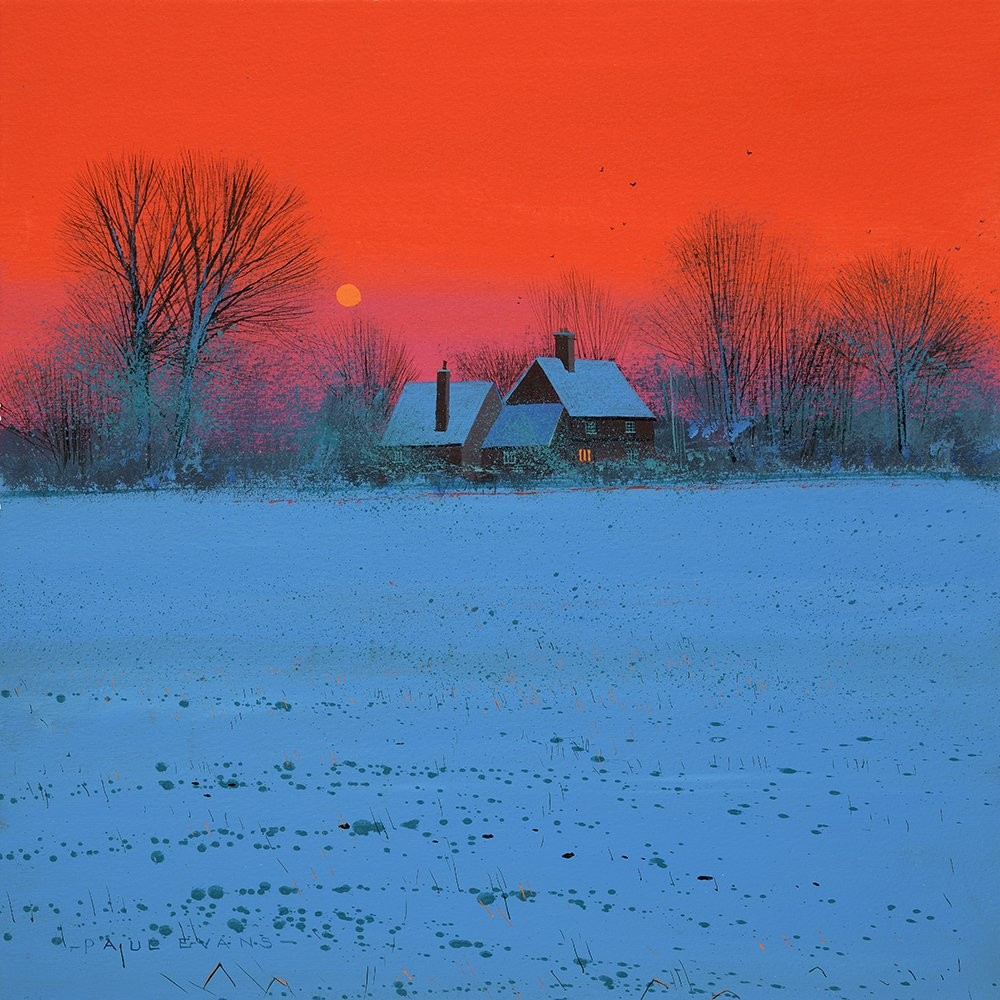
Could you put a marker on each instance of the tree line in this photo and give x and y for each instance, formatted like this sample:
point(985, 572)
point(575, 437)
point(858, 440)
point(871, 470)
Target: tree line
point(190, 346)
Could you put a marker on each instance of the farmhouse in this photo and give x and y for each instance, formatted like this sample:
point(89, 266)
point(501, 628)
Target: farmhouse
point(437, 423)
point(559, 409)
point(605, 418)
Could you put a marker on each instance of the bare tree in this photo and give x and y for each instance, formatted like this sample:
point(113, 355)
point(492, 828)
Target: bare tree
point(175, 255)
point(907, 322)
point(794, 356)
point(360, 367)
point(741, 322)
point(58, 411)
point(360, 361)
point(708, 320)
point(576, 302)
point(499, 363)
point(120, 232)
point(245, 262)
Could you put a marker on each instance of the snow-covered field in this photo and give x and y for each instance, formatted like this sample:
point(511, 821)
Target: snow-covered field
point(514, 746)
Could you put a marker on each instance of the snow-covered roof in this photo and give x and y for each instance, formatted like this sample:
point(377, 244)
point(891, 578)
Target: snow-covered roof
point(592, 389)
point(524, 426)
point(412, 420)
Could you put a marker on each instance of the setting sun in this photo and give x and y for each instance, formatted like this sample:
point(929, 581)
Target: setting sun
point(348, 295)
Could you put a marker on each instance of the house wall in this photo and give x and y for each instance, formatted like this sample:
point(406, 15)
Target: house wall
point(471, 451)
point(536, 460)
point(423, 457)
point(611, 429)
point(610, 441)
point(615, 450)
point(533, 388)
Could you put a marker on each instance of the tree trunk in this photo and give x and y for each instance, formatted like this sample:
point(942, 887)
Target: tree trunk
point(140, 397)
point(902, 441)
point(185, 393)
point(728, 417)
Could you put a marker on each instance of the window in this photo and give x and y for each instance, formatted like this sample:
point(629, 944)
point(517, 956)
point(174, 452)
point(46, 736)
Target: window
point(632, 454)
point(629, 426)
point(584, 455)
point(590, 426)
point(509, 456)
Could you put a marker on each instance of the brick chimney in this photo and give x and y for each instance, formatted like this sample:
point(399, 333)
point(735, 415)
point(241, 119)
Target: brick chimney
point(441, 412)
point(564, 348)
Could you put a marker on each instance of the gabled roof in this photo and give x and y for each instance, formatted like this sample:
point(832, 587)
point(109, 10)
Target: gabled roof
point(592, 389)
point(531, 424)
point(412, 420)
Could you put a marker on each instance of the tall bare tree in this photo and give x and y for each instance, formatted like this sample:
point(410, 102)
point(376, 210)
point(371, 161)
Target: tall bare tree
point(741, 321)
point(245, 261)
point(120, 232)
point(576, 302)
point(173, 255)
point(907, 321)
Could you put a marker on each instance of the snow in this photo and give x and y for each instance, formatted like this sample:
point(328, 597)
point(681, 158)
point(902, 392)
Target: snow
point(592, 389)
point(731, 739)
point(525, 425)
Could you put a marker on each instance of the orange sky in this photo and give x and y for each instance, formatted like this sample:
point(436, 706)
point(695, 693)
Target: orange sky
point(451, 153)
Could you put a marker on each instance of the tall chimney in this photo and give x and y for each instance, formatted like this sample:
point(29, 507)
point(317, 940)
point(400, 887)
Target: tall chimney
point(443, 398)
point(564, 348)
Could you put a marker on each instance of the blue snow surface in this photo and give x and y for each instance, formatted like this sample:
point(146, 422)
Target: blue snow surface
point(538, 745)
